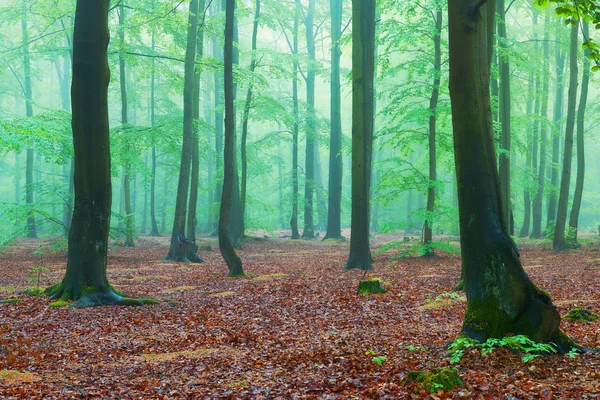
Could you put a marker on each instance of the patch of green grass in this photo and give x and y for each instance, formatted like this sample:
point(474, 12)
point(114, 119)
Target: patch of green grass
point(34, 291)
point(59, 303)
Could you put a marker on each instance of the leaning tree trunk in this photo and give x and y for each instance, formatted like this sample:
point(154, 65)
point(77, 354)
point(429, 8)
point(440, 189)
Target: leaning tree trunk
point(574, 218)
point(433, 101)
point(309, 169)
point(334, 209)
point(536, 230)
point(501, 300)
point(295, 131)
point(85, 279)
point(225, 245)
point(560, 242)
point(31, 225)
point(363, 118)
point(181, 248)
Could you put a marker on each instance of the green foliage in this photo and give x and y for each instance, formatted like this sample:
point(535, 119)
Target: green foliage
point(435, 380)
point(379, 360)
point(520, 344)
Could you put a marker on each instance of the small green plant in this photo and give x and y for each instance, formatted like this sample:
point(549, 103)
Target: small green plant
point(378, 359)
point(574, 352)
point(520, 344)
point(446, 295)
point(412, 348)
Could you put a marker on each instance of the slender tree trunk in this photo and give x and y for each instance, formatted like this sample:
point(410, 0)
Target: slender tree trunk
point(85, 279)
point(218, 84)
point(363, 71)
point(560, 242)
point(319, 191)
point(225, 245)
point(181, 248)
point(556, 136)
point(192, 220)
point(246, 115)
point(29, 192)
point(309, 168)
point(500, 297)
point(154, 230)
point(528, 163)
point(504, 114)
point(334, 209)
point(145, 209)
point(536, 231)
point(295, 130)
point(433, 101)
point(62, 71)
point(574, 217)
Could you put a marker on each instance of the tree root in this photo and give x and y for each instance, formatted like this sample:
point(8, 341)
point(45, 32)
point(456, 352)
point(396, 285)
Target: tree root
point(94, 296)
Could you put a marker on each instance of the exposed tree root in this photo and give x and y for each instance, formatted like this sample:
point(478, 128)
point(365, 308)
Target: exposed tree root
point(90, 296)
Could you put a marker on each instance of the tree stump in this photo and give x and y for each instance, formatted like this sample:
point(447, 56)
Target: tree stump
point(370, 286)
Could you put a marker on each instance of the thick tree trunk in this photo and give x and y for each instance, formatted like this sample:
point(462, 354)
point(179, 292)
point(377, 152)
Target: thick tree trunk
point(363, 71)
point(334, 209)
point(309, 168)
point(574, 217)
point(246, 115)
point(182, 248)
point(85, 279)
point(225, 245)
point(504, 114)
point(295, 130)
point(433, 101)
point(501, 300)
point(536, 230)
point(31, 225)
point(560, 242)
point(556, 136)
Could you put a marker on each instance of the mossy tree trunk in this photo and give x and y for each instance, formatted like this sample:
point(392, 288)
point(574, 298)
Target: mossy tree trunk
point(501, 299)
point(433, 101)
point(225, 245)
point(85, 279)
point(334, 208)
point(560, 242)
point(181, 248)
point(363, 70)
point(574, 217)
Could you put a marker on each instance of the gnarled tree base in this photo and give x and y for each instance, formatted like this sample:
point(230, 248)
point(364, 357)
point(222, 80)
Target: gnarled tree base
point(185, 252)
point(90, 296)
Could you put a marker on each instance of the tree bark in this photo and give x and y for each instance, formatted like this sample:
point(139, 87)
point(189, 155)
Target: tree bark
point(574, 217)
point(363, 71)
point(295, 129)
point(154, 230)
point(560, 242)
point(218, 84)
point(433, 101)
point(556, 136)
point(334, 209)
point(501, 300)
point(182, 248)
point(504, 114)
point(225, 245)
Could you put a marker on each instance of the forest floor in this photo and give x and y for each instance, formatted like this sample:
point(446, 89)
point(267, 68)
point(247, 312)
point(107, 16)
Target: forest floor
point(294, 328)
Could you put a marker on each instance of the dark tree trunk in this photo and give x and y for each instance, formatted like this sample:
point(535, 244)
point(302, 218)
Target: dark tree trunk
point(433, 101)
point(536, 230)
point(31, 225)
point(295, 131)
point(246, 115)
point(504, 115)
point(556, 136)
point(218, 85)
point(501, 300)
point(363, 71)
point(225, 245)
point(560, 242)
point(85, 279)
point(309, 168)
point(192, 220)
point(574, 217)
point(334, 209)
point(182, 248)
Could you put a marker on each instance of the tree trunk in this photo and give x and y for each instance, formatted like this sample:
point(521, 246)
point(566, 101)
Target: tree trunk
point(501, 300)
point(295, 130)
point(225, 245)
point(560, 242)
point(319, 191)
point(556, 136)
point(536, 230)
point(309, 168)
point(218, 84)
point(154, 230)
point(528, 163)
point(85, 279)
point(363, 70)
point(192, 220)
point(433, 101)
point(334, 209)
point(181, 248)
point(31, 225)
point(574, 217)
point(246, 115)
point(504, 114)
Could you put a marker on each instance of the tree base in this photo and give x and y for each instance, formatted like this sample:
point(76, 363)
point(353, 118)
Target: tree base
point(93, 296)
point(371, 286)
point(185, 252)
